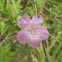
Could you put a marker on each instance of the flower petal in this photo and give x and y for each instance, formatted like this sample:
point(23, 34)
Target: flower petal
point(37, 20)
point(35, 43)
point(23, 37)
point(43, 32)
point(24, 22)
point(36, 26)
point(26, 17)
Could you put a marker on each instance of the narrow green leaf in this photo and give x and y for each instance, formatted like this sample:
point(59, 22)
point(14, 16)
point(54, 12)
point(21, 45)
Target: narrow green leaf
point(56, 50)
point(9, 14)
point(4, 27)
point(5, 3)
point(12, 30)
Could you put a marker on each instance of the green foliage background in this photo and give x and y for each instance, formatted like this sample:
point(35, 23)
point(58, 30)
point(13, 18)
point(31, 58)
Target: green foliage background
point(10, 49)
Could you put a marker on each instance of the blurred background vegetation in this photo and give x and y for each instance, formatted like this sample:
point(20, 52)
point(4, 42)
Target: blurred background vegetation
point(13, 10)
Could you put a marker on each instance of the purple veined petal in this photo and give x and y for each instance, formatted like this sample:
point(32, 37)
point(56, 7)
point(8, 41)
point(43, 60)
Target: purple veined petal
point(35, 43)
point(26, 17)
point(23, 37)
point(37, 20)
point(43, 32)
point(24, 22)
point(36, 26)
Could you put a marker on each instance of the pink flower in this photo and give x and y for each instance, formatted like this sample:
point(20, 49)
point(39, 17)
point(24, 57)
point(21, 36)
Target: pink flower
point(33, 33)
